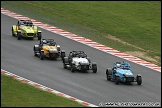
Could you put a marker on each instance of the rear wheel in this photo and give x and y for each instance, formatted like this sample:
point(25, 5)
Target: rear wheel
point(62, 55)
point(65, 61)
point(35, 54)
point(58, 48)
point(39, 36)
point(64, 66)
point(34, 51)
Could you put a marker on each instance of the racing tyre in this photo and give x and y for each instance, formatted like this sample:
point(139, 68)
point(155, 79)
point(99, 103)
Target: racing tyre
point(42, 56)
point(13, 32)
point(18, 35)
point(34, 51)
point(58, 48)
point(39, 36)
point(64, 66)
point(73, 68)
point(139, 80)
point(62, 55)
point(65, 61)
point(108, 74)
point(117, 80)
point(94, 68)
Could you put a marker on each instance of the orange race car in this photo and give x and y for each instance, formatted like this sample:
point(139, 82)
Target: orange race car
point(47, 48)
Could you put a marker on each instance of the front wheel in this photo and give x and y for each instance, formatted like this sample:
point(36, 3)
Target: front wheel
point(19, 36)
point(94, 68)
point(108, 74)
point(13, 32)
point(139, 80)
point(42, 56)
point(117, 80)
point(73, 68)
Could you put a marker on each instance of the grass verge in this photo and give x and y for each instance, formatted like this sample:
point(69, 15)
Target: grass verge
point(17, 94)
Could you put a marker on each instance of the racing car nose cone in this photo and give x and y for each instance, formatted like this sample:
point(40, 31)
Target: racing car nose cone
point(30, 30)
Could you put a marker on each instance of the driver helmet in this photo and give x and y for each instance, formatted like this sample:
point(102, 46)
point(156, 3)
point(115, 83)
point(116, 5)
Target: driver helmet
point(118, 65)
point(76, 55)
point(30, 24)
point(44, 42)
point(82, 55)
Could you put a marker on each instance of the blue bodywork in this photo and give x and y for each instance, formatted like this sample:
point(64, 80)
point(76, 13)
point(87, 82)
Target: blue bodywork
point(124, 71)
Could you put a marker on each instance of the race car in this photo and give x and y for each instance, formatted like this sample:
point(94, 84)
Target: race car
point(26, 29)
point(47, 48)
point(122, 72)
point(78, 60)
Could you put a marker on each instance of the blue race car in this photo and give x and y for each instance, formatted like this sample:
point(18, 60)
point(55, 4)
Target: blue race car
point(122, 72)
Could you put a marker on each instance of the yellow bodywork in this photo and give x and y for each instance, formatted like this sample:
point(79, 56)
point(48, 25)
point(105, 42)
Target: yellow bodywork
point(25, 29)
point(46, 48)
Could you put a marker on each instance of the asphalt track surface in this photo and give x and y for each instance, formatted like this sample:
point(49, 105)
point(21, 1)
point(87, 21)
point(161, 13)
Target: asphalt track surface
point(17, 57)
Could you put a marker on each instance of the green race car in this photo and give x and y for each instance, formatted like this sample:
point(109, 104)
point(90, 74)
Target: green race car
point(26, 29)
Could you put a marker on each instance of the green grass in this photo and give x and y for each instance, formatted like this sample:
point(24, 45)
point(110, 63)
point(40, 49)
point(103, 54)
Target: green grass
point(135, 22)
point(17, 94)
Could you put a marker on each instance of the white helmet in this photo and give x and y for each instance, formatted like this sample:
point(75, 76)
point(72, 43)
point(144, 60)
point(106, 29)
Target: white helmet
point(118, 65)
point(44, 41)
